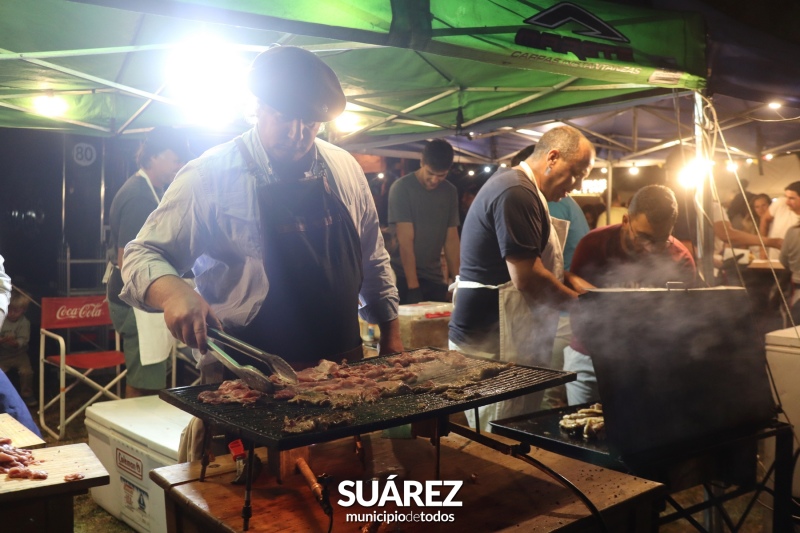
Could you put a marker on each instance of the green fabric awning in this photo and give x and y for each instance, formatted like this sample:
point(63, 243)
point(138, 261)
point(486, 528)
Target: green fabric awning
point(428, 68)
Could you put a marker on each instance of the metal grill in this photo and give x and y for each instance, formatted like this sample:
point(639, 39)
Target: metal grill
point(263, 422)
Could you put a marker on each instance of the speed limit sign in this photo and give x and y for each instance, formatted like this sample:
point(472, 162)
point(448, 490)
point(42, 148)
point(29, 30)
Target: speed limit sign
point(84, 154)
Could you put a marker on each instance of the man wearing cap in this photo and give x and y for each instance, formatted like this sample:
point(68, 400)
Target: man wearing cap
point(160, 157)
point(279, 228)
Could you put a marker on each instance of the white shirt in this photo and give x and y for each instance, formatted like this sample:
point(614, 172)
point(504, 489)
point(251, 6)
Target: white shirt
point(783, 218)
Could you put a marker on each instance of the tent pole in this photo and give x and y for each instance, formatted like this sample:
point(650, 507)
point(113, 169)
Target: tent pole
point(63, 187)
point(608, 191)
point(703, 200)
point(102, 191)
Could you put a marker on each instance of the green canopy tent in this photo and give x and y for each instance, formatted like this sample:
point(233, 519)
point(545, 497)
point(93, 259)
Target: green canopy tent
point(408, 67)
point(411, 69)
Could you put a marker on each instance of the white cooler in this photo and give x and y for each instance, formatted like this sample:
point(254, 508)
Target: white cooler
point(783, 356)
point(132, 437)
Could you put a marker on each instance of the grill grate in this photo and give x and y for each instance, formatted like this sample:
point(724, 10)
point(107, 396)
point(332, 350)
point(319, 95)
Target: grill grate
point(262, 423)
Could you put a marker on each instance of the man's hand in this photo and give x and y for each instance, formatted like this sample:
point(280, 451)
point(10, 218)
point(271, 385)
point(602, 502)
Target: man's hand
point(414, 296)
point(185, 312)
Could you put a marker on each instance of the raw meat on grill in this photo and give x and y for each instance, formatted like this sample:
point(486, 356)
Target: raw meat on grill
point(233, 391)
point(342, 386)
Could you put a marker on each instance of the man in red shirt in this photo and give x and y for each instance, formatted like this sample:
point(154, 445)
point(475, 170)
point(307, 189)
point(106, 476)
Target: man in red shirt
point(639, 253)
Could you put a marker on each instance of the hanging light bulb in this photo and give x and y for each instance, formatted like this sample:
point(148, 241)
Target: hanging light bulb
point(50, 105)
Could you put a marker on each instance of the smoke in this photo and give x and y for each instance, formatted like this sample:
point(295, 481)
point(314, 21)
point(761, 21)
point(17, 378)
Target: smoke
point(674, 365)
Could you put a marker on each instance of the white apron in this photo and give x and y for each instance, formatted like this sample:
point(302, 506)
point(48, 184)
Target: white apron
point(527, 329)
point(155, 340)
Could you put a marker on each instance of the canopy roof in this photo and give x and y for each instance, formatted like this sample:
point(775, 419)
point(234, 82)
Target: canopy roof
point(423, 68)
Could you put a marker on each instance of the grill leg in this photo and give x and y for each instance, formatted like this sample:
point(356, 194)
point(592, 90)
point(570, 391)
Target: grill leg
point(247, 511)
point(207, 430)
point(477, 420)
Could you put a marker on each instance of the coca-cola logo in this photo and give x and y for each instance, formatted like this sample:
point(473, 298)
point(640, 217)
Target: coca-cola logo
point(88, 310)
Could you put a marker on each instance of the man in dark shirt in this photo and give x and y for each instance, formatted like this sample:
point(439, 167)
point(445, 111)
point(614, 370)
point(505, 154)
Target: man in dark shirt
point(511, 286)
point(423, 209)
point(639, 253)
point(160, 157)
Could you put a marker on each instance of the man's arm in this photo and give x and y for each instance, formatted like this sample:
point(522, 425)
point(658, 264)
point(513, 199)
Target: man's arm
point(390, 337)
point(725, 232)
point(452, 249)
point(405, 239)
point(185, 311)
point(765, 222)
point(531, 277)
point(579, 284)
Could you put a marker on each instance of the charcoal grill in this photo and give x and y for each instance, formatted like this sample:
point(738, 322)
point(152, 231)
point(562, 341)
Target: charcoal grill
point(263, 422)
point(682, 378)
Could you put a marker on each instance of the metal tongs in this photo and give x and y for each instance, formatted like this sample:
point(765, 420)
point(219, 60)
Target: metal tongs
point(251, 375)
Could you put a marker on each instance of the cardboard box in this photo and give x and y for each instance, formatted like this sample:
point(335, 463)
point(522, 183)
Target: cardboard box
point(425, 324)
point(132, 437)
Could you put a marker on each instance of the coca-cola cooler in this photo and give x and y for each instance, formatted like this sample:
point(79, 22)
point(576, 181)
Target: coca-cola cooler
point(131, 438)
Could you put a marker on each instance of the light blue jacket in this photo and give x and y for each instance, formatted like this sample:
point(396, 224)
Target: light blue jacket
point(208, 221)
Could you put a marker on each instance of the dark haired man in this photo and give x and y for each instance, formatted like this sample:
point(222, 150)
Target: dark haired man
point(279, 228)
point(423, 208)
point(639, 253)
point(159, 158)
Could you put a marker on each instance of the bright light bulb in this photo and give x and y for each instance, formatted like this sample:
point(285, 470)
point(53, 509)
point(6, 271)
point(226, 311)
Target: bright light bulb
point(208, 78)
point(487, 169)
point(732, 166)
point(768, 157)
point(774, 105)
point(471, 173)
point(380, 175)
point(50, 106)
point(749, 160)
point(348, 122)
point(603, 170)
point(693, 174)
point(503, 165)
point(633, 171)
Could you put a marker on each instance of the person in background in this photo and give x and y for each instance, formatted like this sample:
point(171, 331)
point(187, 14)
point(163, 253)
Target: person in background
point(279, 228)
point(782, 214)
point(738, 211)
point(511, 258)
point(790, 259)
point(159, 158)
point(759, 204)
point(590, 213)
point(10, 400)
point(465, 202)
point(423, 209)
point(638, 253)
point(615, 212)
point(15, 335)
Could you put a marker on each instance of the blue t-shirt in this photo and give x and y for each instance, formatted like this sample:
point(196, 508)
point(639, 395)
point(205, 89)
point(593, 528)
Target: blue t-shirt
point(507, 218)
point(568, 209)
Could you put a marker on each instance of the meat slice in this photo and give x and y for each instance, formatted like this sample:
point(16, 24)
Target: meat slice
point(231, 391)
point(77, 476)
